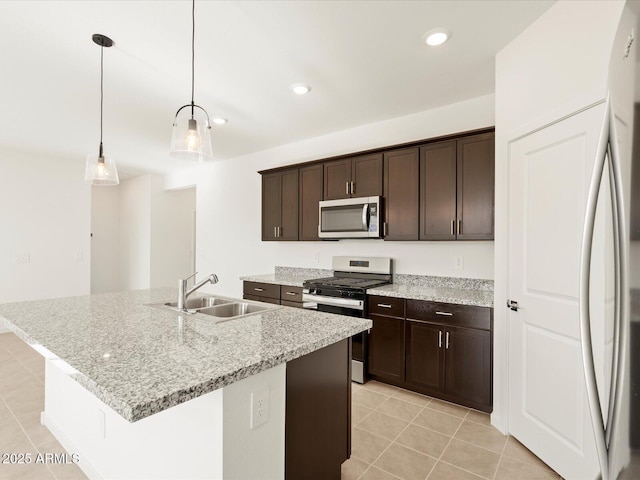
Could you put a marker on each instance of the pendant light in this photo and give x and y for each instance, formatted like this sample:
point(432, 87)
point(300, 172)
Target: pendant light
point(191, 138)
point(101, 170)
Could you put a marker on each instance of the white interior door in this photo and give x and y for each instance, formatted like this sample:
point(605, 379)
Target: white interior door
point(550, 171)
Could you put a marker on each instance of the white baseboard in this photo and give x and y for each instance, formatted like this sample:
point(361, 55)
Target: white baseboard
point(84, 464)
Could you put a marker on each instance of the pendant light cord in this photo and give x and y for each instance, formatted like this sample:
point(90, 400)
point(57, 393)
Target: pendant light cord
point(101, 93)
point(193, 50)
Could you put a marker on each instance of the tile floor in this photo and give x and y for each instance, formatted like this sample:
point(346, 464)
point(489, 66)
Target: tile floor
point(396, 434)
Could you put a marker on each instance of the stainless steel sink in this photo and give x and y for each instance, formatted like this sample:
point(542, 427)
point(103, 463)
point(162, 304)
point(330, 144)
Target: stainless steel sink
point(233, 309)
point(218, 308)
point(201, 302)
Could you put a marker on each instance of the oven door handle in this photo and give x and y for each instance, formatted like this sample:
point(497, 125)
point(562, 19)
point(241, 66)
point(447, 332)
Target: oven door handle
point(337, 302)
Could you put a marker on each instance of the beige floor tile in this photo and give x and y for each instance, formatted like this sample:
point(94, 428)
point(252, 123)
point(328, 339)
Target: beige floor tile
point(471, 458)
point(67, 471)
point(383, 425)
point(486, 437)
point(379, 387)
point(479, 417)
point(358, 412)
point(26, 472)
point(450, 408)
point(405, 463)
point(376, 474)
point(518, 451)
point(367, 398)
point(511, 468)
point(440, 422)
point(35, 365)
point(412, 397)
point(366, 446)
point(444, 471)
point(424, 440)
point(352, 469)
point(401, 409)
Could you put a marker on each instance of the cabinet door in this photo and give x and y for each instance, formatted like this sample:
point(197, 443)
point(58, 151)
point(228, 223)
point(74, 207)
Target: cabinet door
point(289, 206)
point(401, 192)
point(271, 205)
point(438, 191)
point(476, 180)
point(386, 348)
point(311, 187)
point(425, 355)
point(337, 175)
point(366, 175)
point(468, 361)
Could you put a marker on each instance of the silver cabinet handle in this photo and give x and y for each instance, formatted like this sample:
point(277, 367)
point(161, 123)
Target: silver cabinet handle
point(275, 232)
point(346, 187)
point(453, 227)
point(259, 289)
point(446, 341)
point(459, 226)
point(439, 338)
point(384, 305)
point(353, 188)
point(290, 293)
point(446, 314)
point(384, 229)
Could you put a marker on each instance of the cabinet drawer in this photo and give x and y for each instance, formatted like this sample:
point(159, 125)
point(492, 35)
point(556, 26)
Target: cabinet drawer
point(389, 306)
point(291, 304)
point(268, 290)
point(290, 294)
point(450, 314)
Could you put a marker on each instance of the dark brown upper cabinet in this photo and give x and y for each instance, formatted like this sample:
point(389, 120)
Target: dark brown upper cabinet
point(280, 205)
point(457, 189)
point(353, 177)
point(401, 194)
point(311, 190)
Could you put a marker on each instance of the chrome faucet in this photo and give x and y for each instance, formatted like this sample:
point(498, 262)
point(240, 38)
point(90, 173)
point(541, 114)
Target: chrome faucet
point(183, 293)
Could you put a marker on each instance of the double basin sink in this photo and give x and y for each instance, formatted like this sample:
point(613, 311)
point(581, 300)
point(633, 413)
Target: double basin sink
point(218, 308)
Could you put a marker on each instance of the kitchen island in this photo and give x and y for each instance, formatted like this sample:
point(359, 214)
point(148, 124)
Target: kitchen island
point(143, 392)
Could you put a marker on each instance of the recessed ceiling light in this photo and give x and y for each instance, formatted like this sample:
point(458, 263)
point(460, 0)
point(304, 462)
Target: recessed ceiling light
point(436, 37)
point(300, 88)
point(219, 120)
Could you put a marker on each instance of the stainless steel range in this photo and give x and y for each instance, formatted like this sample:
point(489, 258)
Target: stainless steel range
point(345, 294)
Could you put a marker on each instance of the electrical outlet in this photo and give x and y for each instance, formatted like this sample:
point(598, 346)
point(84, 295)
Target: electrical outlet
point(22, 258)
point(259, 407)
point(101, 421)
point(458, 262)
point(316, 257)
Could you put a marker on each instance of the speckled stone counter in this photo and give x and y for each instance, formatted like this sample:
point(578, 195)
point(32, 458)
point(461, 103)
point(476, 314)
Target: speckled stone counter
point(462, 291)
point(290, 276)
point(141, 360)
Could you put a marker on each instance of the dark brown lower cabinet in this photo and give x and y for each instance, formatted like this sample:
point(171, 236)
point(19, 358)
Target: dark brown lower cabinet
point(438, 349)
point(386, 348)
point(468, 364)
point(318, 413)
point(425, 355)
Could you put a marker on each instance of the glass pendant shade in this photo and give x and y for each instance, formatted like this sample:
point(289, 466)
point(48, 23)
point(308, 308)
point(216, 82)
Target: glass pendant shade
point(101, 171)
point(191, 138)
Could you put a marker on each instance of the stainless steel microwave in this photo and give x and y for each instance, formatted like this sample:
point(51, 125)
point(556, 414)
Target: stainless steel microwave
point(350, 218)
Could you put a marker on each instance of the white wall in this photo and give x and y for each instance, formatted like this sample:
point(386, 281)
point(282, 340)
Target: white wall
point(172, 234)
point(45, 212)
point(554, 68)
point(135, 233)
point(105, 239)
point(229, 204)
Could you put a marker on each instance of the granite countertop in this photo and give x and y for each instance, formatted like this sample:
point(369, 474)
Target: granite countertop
point(140, 359)
point(290, 276)
point(479, 298)
point(462, 291)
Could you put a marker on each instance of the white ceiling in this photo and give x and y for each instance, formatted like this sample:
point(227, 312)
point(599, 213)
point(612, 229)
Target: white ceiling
point(365, 61)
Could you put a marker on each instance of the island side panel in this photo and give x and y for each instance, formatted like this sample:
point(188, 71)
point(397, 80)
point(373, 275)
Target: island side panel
point(185, 441)
point(318, 413)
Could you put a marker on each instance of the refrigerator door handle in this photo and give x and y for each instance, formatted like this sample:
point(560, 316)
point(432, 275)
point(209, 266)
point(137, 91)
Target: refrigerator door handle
point(621, 326)
point(584, 312)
